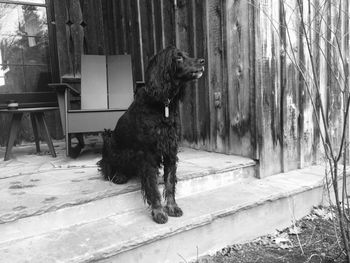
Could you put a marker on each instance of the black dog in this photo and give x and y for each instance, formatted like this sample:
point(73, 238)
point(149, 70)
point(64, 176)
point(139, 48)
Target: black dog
point(146, 136)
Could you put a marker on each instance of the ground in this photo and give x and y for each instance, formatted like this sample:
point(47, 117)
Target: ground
point(309, 240)
point(42, 184)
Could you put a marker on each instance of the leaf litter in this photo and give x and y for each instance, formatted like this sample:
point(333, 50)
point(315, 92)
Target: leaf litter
point(309, 240)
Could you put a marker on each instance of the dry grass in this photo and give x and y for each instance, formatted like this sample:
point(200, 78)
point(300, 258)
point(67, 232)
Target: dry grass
point(314, 238)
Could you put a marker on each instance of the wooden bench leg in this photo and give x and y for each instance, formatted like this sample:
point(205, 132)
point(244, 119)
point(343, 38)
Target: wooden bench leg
point(41, 120)
point(68, 143)
point(35, 131)
point(15, 123)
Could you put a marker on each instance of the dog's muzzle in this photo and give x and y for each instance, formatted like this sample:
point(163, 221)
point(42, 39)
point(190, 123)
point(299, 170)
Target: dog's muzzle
point(199, 73)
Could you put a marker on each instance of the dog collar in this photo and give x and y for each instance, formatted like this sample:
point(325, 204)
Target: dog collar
point(166, 108)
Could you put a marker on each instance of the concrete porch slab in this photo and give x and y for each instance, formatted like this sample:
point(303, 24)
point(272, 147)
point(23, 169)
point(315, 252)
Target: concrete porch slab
point(212, 219)
point(31, 187)
point(26, 161)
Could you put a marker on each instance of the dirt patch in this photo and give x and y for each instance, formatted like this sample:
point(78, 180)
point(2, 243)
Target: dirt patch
point(315, 238)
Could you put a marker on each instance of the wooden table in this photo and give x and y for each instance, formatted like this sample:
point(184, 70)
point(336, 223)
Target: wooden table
point(37, 116)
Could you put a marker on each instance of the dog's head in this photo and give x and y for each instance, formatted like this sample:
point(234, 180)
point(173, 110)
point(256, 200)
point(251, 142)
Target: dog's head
point(169, 70)
point(186, 68)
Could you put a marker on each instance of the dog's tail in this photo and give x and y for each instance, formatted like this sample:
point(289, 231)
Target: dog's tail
point(104, 164)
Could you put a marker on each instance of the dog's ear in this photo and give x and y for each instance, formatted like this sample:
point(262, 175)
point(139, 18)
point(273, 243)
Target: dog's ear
point(160, 75)
point(170, 65)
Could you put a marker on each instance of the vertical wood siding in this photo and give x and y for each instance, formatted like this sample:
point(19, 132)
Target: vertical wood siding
point(288, 133)
point(239, 81)
point(290, 89)
point(252, 100)
point(268, 86)
point(210, 120)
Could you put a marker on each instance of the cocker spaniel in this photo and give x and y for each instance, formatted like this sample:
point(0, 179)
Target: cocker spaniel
point(146, 136)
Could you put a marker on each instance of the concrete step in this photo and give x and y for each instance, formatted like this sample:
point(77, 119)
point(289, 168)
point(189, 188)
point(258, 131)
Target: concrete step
point(236, 212)
point(59, 198)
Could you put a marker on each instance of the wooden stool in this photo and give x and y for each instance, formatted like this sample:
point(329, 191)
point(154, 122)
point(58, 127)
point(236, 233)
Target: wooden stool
point(36, 116)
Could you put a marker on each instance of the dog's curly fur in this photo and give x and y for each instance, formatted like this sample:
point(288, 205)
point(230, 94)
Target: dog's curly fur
point(145, 138)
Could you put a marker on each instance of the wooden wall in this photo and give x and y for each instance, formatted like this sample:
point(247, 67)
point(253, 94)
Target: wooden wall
point(252, 100)
point(216, 114)
point(288, 134)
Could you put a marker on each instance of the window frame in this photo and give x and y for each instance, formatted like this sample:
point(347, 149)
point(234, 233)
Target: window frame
point(52, 48)
point(23, 3)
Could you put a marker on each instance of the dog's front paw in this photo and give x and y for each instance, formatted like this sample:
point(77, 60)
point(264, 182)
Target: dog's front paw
point(173, 210)
point(159, 216)
point(120, 179)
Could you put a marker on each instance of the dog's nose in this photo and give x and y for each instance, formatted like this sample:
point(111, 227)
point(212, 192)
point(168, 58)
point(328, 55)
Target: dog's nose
point(201, 61)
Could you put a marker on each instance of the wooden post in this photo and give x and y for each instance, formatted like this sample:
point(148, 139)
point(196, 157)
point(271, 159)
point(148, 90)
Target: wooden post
point(268, 88)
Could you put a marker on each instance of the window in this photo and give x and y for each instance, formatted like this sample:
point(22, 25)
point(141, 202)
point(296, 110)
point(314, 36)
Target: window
point(39, 2)
point(24, 46)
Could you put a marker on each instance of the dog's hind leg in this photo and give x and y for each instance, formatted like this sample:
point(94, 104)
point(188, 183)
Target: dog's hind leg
point(109, 163)
point(170, 180)
point(149, 188)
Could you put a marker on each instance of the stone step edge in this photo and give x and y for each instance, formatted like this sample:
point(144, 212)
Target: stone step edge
point(248, 163)
point(135, 188)
point(202, 220)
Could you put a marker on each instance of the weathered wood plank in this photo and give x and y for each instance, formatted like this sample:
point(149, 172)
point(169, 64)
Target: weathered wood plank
point(238, 64)
point(323, 77)
point(193, 91)
point(290, 85)
point(307, 92)
point(317, 55)
point(93, 32)
point(336, 74)
point(258, 106)
point(52, 45)
point(146, 16)
point(217, 90)
point(268, 87)
point(136, 53)
point(119, 27)
point(108, 22)
point(64, 63)
point(254, 148)
point(202, 87)
point(125, 33)
point(345, 49)
point(158, 24)
point(168, 16)
point(184, 32)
